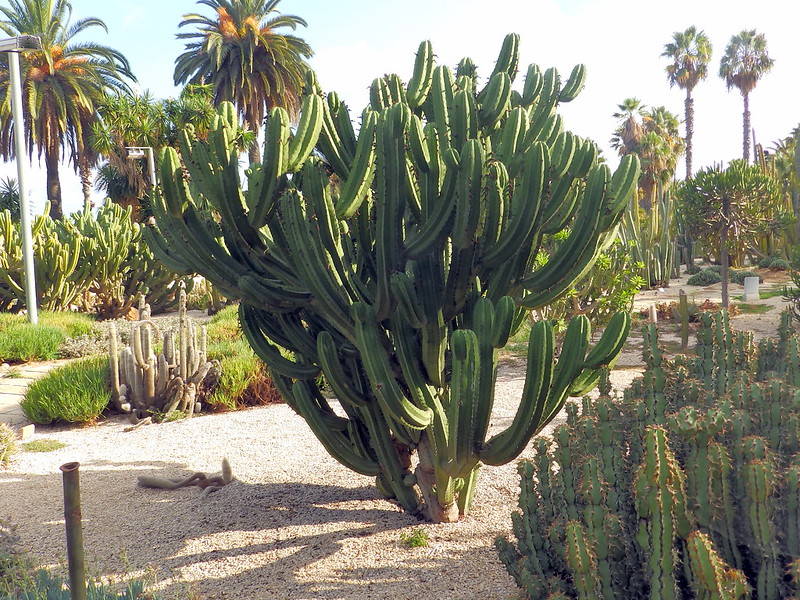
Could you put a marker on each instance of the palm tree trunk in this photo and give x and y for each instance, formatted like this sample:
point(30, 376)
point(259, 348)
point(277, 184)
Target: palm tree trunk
point(254, 154)
point(86, 183)
point(689, 110)
point(746, 128)
point(53, 184)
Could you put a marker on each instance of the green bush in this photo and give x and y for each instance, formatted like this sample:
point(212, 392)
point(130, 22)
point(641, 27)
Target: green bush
point(687, 486)
point(56, 331)
point(23, 342)
point(738, 276)
point(779, 264)
point(705, 277)
point(244, 380)
point(609, 287)
point(8, 444)
point(76, 392)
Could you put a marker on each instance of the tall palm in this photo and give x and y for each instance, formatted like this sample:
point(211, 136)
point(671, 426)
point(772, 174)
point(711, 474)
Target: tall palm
point(690, 52)
point(651, 134)
point(746, 60)
point(61, 86)
point(629, 132)
point(659, 149)
point(242, 53)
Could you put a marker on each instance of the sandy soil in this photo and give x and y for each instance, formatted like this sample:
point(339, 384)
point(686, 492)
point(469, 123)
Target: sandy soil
point(294, 525)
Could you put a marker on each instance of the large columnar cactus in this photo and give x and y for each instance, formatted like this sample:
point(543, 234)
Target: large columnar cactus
point(698, 498)
point(123, 267)
point(397, 261)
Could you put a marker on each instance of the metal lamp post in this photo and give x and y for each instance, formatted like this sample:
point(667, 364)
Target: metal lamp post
point(139, 152)
point(13, 46)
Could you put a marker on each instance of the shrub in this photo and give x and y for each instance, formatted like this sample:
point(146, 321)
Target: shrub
point(779, 264)
point(738, 276)
point(8, 444)
point(774, 263)
point(416, 538)
point(23, 342)
point(704, 278)
point(76, 392)
point(686, 487)
point(692, 269)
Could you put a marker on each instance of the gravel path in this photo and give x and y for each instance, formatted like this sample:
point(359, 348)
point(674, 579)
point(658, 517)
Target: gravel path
point(295, 525)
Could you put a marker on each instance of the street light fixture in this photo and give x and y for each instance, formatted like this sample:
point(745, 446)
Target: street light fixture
point(140, 152)
point(13, 46)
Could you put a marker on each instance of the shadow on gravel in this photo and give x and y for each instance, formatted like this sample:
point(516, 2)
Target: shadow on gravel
point(243, 541)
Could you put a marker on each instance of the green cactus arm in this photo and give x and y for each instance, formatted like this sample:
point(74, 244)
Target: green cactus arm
point(384, 385)
point(337, 443)
point(509, 443)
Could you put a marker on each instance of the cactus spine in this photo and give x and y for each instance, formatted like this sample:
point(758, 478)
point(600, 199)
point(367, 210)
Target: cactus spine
point(401, 281)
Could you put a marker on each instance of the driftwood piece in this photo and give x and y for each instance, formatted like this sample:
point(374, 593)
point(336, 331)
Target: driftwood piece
point(206, 483)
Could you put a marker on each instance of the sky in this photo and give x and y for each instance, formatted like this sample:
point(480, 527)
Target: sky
point(620, 42)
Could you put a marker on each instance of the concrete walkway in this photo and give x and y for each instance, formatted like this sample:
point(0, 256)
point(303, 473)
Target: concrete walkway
point(14, 380)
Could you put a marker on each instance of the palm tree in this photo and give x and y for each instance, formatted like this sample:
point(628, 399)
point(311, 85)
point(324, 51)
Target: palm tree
point(690, 52)
point(126, 120)
point(142, 120)
point(745, 61)
point(244, 56)
point(629, 132)
point(652, 134)
point(61, 86)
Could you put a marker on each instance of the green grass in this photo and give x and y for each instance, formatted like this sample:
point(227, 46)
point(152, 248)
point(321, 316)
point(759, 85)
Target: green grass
point(416, 538)
point(225, 325)
point(773, 292)
point(12, 373)
point(43, 445)
point(243, 380)
point(72, 323)
point(77, 392)
point(753, 309)
point(21, 341)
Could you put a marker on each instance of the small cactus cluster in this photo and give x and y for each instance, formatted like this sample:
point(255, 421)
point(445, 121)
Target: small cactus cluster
point(688, 486)
point(144, 384)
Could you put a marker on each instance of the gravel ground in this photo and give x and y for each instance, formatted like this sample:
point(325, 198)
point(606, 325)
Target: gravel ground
point(294, 525)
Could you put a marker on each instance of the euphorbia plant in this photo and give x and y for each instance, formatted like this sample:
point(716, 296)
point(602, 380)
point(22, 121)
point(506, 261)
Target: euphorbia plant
point(399, 259)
